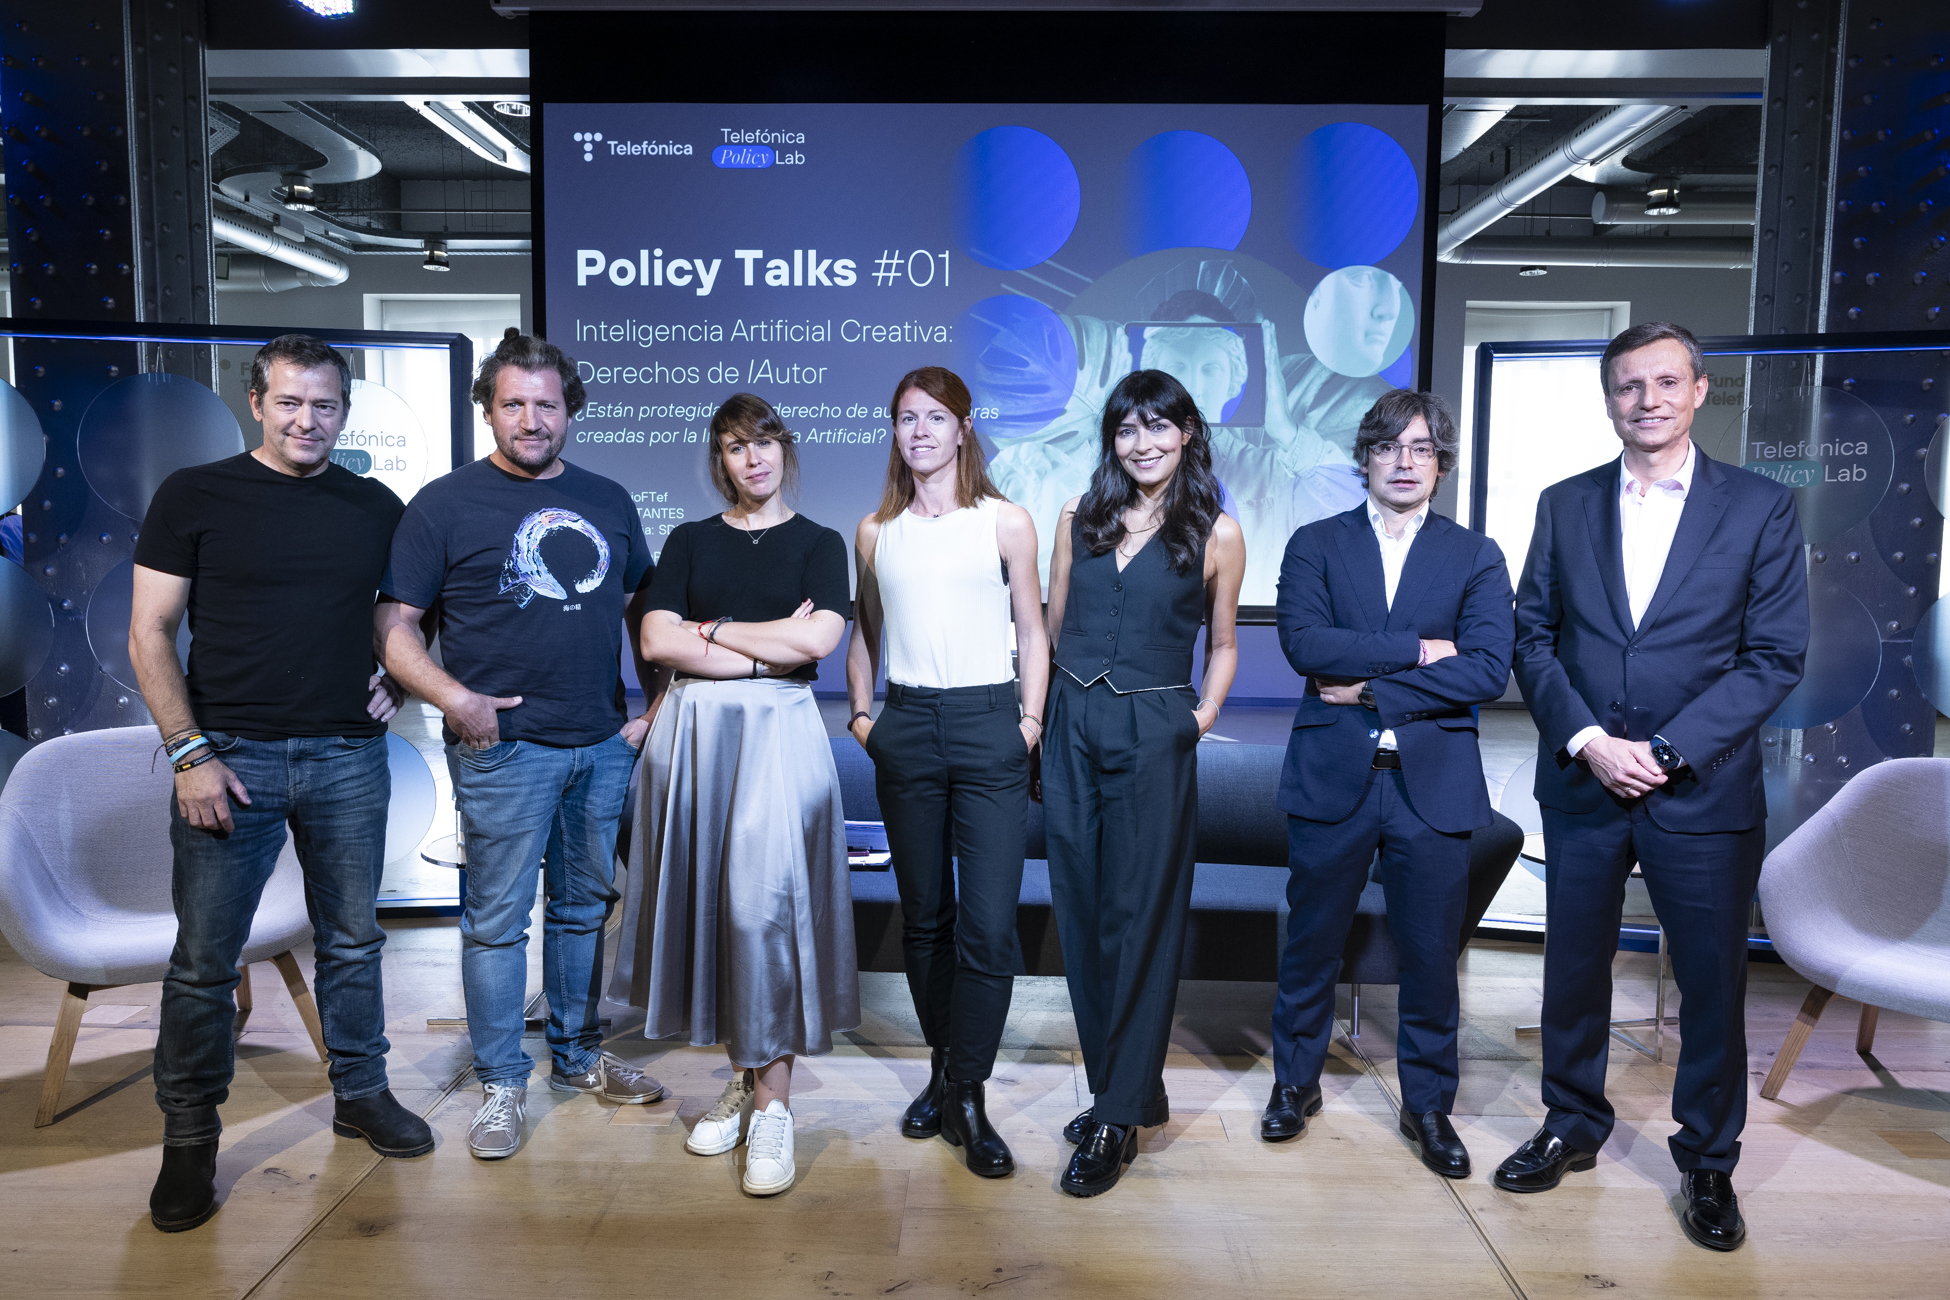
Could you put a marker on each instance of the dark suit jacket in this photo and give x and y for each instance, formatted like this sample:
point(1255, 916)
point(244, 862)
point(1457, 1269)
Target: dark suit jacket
point(1719, 648)
point(1335, 622)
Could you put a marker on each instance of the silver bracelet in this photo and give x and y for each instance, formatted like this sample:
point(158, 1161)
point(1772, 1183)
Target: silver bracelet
point(1202, 703)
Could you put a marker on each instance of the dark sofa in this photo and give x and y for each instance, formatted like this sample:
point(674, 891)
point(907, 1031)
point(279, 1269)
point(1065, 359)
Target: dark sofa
point(1238, 891)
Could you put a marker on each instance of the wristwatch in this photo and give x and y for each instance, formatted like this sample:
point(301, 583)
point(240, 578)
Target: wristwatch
point(1367, 697)
point(1665, 755)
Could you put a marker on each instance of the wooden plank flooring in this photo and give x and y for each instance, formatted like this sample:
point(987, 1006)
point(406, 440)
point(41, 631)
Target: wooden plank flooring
point(1845, 1181)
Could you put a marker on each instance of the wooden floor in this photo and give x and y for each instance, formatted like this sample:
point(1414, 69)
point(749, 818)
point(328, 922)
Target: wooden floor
point(1845, 1181)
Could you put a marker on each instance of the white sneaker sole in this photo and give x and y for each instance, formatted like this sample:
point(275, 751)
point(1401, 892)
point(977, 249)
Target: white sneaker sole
point(640, 1099)
point(769, 1189)
point(480, 1154)
point(718, 1148)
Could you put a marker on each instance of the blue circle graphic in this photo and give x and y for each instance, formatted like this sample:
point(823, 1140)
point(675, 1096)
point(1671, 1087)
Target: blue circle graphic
point(1354, 196)
point(1401, 373)
point(1016, 197)
point(1844, 656)
point(1019, 359)
point(1930, 654)
point(1184, 189)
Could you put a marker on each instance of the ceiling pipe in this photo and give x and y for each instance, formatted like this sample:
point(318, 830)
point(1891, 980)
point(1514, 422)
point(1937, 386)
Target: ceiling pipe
point(1723, 254)
point(1588, 144)
point(326, 269)
point(249, 273)
point(1616, 207)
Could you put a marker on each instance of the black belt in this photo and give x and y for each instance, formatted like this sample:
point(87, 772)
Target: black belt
point(1387, 760)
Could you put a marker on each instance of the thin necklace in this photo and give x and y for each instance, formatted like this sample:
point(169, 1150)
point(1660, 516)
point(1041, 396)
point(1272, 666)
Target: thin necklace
point(1130, 533)
point(759, 536)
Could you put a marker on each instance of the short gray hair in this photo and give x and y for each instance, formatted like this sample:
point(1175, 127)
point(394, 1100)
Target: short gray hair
point(304, 352)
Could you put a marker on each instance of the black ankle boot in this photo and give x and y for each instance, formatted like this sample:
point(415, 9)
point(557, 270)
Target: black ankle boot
point(185, 1194)
point(965, 1123)
point(388, 1127)
point(922, 1119)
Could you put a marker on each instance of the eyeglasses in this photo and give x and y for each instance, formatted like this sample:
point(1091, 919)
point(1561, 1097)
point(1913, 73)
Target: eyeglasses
point(1422, 453)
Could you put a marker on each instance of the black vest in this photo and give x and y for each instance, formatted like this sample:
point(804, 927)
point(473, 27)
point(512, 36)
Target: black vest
point(1136, 628)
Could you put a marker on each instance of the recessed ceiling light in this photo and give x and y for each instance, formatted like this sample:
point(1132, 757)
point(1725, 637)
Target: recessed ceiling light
point(1533, 270)
point(511, 107)
point(1662, 199)
point(436, 256)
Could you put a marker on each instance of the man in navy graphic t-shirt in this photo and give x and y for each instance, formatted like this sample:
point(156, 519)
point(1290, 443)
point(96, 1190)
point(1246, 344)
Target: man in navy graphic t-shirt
point(533, 566)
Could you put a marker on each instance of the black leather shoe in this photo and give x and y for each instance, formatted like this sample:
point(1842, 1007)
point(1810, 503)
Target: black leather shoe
point(185, 1194)
point(1712, 1218)
point(1285, 1116)
point(1100, 1159)
point(388, 1127)
point(1073, 1131)
point(922, 1118)
point(1435, 1138)
point(1541, 1163)
point(965, 1123)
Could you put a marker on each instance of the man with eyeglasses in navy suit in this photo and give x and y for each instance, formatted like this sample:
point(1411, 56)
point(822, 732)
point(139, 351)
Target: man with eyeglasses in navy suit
point(1401, 622)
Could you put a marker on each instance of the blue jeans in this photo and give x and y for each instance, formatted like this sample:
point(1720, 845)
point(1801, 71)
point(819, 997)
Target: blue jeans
point(333, 793)
point(520, 802)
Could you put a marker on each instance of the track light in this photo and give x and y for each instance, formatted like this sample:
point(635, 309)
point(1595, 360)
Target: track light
point(436, 256)
point(297, 194)
point(1533, 270)
point(1662, 199)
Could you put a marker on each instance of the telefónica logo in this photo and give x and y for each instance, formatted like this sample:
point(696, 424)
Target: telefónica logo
point(588, 139)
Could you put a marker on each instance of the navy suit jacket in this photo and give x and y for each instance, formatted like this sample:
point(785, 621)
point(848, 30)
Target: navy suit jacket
point(1719, 648)
point(1335, 622)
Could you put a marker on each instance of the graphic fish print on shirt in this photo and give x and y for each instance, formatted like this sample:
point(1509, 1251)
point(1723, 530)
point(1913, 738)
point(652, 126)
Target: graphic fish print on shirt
point(524, 573)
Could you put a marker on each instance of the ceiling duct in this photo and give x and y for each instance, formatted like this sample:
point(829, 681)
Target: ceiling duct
point(347, 158)
point(1462, 127)
point(1723, 254)
point(1617, 207)
point(324, 269)
point(1588, 144)
point(249, 273)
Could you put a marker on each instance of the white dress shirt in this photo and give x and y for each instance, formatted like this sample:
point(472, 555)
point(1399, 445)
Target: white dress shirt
point(1647, 520)
point(1394, 554)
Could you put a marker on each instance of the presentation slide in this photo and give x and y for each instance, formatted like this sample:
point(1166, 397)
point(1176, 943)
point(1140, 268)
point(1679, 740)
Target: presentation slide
point(1269, 256)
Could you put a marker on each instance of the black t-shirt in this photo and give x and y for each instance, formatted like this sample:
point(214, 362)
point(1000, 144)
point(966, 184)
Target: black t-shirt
point(710, 569)
point(282, 573)
point(531, 576)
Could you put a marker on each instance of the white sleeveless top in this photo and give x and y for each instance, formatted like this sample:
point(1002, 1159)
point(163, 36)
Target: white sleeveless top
point(945, 605)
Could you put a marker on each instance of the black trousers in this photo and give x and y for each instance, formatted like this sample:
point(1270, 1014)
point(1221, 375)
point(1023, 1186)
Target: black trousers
point(952, 773)
point(1702, 887)
point(1425, 875)
point(1120, 806)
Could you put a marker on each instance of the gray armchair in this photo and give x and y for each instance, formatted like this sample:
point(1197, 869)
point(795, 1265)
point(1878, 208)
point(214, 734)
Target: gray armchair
point(85, 883)
point(1856, 901)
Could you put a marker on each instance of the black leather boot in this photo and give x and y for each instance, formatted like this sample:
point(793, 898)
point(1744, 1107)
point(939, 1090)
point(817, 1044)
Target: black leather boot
point(388, 1127)
point(185, 1194)
point(965, 1123)
point(922, 1119)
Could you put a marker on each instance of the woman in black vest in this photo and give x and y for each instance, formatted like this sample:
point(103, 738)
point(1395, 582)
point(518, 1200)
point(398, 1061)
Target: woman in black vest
point(1142, 559)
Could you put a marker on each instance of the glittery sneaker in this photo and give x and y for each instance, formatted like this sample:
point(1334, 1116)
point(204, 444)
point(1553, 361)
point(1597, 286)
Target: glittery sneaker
point(611, 1078)
point(495, 1133)
point(768, 1151)
point(723, 1126)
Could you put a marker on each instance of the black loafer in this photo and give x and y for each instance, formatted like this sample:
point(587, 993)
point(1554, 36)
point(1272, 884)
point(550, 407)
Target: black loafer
point(1541, 1163)
point(922, 1118)
point(1436, 1141)
point(1100, 1159)
point(965, 1123)
point(1712, 1218)
point(1073, 1131)
point(185, 1194)
point(388, 1127)
point(1285, 1116)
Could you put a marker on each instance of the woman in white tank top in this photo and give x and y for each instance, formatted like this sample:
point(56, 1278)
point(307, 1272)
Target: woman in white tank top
point(944, 564)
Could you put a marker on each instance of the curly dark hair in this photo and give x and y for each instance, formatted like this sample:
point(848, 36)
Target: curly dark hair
point(1192, 498)
point(527, 352)
point(1395, 411)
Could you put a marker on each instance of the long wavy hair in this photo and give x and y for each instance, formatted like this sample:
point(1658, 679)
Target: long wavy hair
point(972, 485)
point(1191, 503)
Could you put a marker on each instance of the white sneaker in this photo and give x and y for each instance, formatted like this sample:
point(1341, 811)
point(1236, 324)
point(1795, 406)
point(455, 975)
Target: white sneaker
point(724, 1124)
point(495, 1133)
point(768, 1151)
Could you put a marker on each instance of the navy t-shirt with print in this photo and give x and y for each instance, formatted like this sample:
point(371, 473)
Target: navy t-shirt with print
point(531, 576)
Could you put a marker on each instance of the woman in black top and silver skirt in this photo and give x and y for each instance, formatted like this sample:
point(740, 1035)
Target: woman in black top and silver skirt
point(1142, 559)
point(738, 924)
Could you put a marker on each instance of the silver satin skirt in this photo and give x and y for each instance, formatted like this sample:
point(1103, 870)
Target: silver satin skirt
point(738, 914)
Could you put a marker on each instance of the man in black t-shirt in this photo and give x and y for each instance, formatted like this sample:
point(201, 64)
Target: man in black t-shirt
point(535, 566)
point(280, 727)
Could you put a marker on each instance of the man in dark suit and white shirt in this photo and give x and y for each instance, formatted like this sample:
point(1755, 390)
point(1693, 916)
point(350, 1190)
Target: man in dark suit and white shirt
point(1400, 621)
point(1662, 618)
